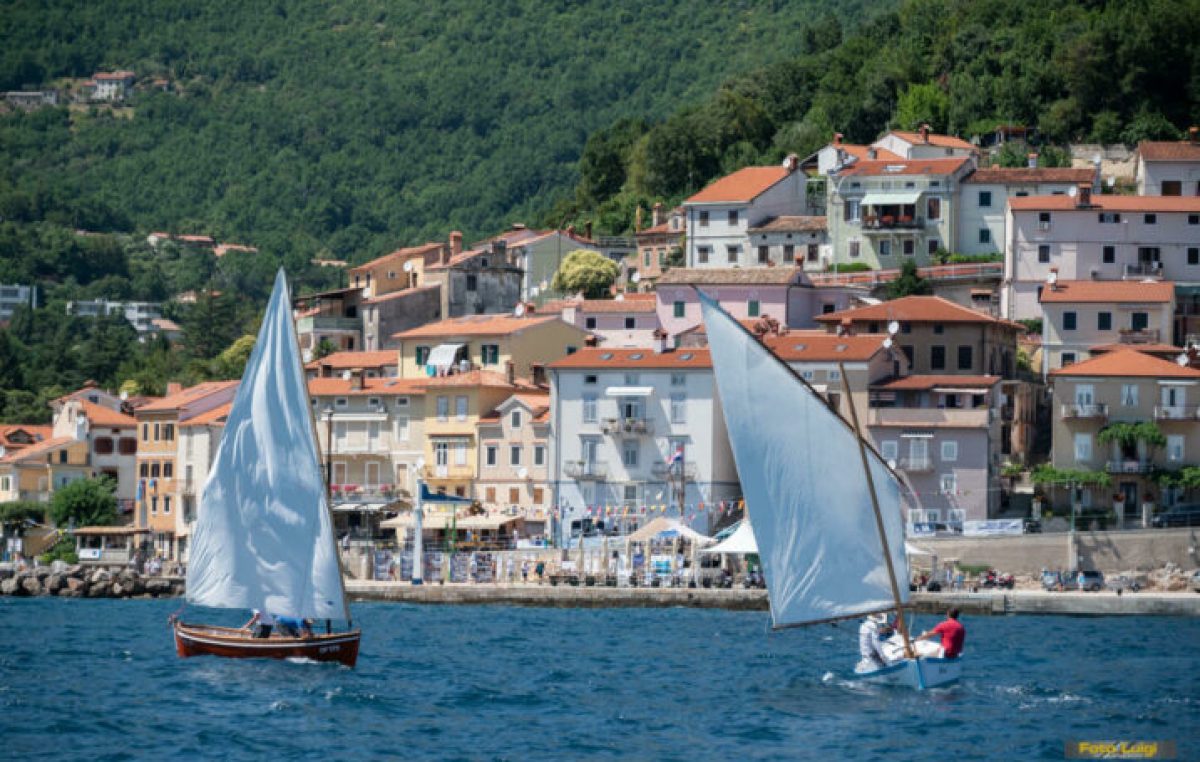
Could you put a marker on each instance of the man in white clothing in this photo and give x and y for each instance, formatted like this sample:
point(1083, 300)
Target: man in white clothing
point(871, 633)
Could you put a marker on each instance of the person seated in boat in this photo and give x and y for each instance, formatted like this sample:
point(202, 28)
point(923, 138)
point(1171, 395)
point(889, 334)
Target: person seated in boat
point(262, 622)
point(952, 633)
point(872, 633)
point(294, 626)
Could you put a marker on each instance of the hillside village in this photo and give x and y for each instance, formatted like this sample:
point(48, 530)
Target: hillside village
point(1046, 371)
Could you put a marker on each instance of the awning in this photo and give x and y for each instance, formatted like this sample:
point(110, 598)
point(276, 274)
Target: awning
point(917, 435)
point(668, 527)
point(629, 391)
point(443, 355)
point(445, 521)
point(960, 390)
point(890, 199)
point(358, 507)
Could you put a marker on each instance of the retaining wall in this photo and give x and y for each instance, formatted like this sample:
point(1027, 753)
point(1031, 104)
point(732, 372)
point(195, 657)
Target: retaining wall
point(1109, 552)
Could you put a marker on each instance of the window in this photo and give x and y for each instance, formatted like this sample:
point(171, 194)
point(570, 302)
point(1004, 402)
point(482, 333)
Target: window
point(889, 449)
point(752, 308)
point(789, 253)
point(145, 432)
point(460, 453)
point(985, 235)
point(155, 470)
point(157, 432)
point(939, 328)
point(460, 407)
point(154, 506)
point(590, 323)
point(514, 455)
point(421, 354)
point(400, 428)
point(472, 282)
point(443, 408)
point(702, 253)
point(1069, 321)
point(1043, 253)
point(1129, 395)
point(733, 217)
point(678, 379)
point(1104, 321)
point(490, 354)
point(1194, 219)
point(168, 469)
point(1175, 448)
point(937, 357)
point(850, 212)
point(885, 248)
point(539, 456)
point(514, 419)
point(489, 455)
point(631, 379)
point(1193, 255)
point(678, 308)
point(169, 432)
point(538, 495)
point(703, 219)
point(630, 493)
point(933, 209)
point(732, 253)
point(910, 247)
point(949, 484)
point(854, 249)
point(1108, 254)
point(678, 408)
point(1083, 447)
point(1139, 321)
point(103, 445)
point(1172, 188)
point(1150, 219)
point(1043, 220)
point(646, 258)
point(166, 504)
point(589, 408)
point(932, 246)
point(1068, 358)
point(950, 451)
point(490, 494)
point(127, 446)
point(630, 323)
point(985, 198)
point(764, 255)
point(909, 352)
point(590, 379)
point(1108, 218)
point(965, 358)
point(629, 452)
point(144, 470)
point(441, 453)
point(514, 495)
point(341, 402)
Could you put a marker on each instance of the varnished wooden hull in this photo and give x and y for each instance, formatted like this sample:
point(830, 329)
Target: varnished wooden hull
point(206, 640)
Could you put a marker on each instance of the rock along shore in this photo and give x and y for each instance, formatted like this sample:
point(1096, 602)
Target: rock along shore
point(78, 581)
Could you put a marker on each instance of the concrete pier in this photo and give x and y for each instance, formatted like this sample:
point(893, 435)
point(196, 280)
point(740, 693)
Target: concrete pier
point(568, 596)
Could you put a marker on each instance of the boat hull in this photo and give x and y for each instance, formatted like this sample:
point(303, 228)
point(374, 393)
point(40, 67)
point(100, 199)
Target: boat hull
point(230, 643)
point(919, 674)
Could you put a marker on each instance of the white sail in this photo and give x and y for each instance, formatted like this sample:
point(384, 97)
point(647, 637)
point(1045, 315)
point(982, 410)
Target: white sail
point(264, 536)
point(804, 487)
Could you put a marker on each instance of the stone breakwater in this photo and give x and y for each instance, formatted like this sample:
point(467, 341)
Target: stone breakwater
point(83, 582)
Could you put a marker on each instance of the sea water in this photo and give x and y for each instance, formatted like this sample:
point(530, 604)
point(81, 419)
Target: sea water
point(99, 680)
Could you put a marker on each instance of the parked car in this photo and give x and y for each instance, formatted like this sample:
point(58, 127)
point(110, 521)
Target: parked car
point(1196, 580)
point(1123, 583)
point(1051, 580)
point(1093, 581)
point(1182, 515)
point(1032, 526)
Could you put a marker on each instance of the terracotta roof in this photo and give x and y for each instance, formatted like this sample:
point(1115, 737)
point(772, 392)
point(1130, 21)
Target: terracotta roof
point(732, 276)
point(398, 255)
point(663, 228)
point(785, 224)
point(537, 402)
point(946, 166)
point(922, 383)
point(1106, 204)
point(819, 346)
point(403, 293)
point(913, 309)
point(165, 324)
point(863, 153)
point(1127, 363)
point(350, 360)
point(1014, 175)
point(599, 358)
point(630, 303)
point(741, 186)
point(37, 433)
point(475, 325)
point(113, 75)
point(488, 378)
point(1151, 349)
point(465, 256)
point(179, 399)
point(217, 415)
point(1116, 291)
point(222, 249)
point(1169, 150)
point(370, 386)
point(38, 450)
point(942, 141)
point(98, 415)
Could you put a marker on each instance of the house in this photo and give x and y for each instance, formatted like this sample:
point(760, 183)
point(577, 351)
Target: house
point(838, 154)
point(1089, 237)
point(719, 217)
point(30, 100)
point(1169, 168)
point(1080, 314)
point(35, 471)
point(14, 437)
point(401, 269)
point(14, 297)
point(983, 202)
point(943, 433)
point(330, 317)
point(1125, 387)
point(924, 144)
point(538, 254)
point(938, 336)
point(222, 249)
point(111, 85)
point(158, 490)
point(488, 342)
point(884, 212)
point(484, 280)
point(655, 245)
point(110, 434)
point(514, 461)
point(199, 438)
point(629, 320)
point(381, 364)
point(790, 240)
point(635, 432)
point(141, 315)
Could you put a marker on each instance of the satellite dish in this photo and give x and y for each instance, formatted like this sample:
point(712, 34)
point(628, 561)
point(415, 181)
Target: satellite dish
point(1072, 191)
point(619, 298)
point(635, 276)
point(893, 327)
point(408, 266)
point(1182, 360)
point(534, 291)
point(523, 473)
point(520, 310)
point(892, 464)
point(887, 343)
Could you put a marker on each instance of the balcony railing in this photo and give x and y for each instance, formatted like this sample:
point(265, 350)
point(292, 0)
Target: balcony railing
point(1144, 270)
point(583, 470)
point(1127, 467)
point(1176, 412)
point(892, 222)
point(930, 416)
point(627, 426)
point(663, 470)
point(367, 493)
point(1139, 335)
point(916, 465)
point(448, 472)
point(1084, 410)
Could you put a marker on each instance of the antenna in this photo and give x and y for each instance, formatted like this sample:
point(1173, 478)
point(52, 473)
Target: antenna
point(408, 266)
point(893, 328)
point(1072, 191)
point(519, 311)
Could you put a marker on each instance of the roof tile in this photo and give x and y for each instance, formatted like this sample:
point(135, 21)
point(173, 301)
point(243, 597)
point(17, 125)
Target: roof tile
point(1127, 363)
point(1116, 291)
point(741, 186)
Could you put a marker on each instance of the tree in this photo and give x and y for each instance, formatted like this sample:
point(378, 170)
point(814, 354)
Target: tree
point(232, 362)
point(17, 512)
point(587, 271)
point(89, 502)
point(922, 104)
point(909, 282)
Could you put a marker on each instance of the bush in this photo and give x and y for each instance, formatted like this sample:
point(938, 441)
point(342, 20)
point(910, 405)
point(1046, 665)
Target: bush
point(971, 259)
point(853, 267)
point(63, 550)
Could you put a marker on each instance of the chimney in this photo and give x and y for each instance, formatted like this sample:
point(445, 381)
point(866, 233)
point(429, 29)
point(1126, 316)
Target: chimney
point(1052, 279)
point(445, 253)
point(591, 340)
point(500, 249)
point(656, 216)
point(872, 153)
point(510, 372)
point(174, 387)
point(925, 133)
point(792, 162)
point(538, 371)
point(1084, 196)
point(1194, 134)
point(1031, 161)
point(837, 138)
point(455, 242)
point(659, 341)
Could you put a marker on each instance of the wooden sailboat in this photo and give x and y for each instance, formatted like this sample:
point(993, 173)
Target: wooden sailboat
point(264, 534)
point(825, 507)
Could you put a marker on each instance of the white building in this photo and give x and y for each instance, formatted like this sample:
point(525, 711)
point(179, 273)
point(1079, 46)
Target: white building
point(94, 416)
point(617, 417)
point(141, 315)
point(1089, 237)
point(983, 202)
point(112, 85)
point(1166, 168)
point(719, 218)
point(791, 241)
point(924, 144)
point(198, 439)
point(12, 297)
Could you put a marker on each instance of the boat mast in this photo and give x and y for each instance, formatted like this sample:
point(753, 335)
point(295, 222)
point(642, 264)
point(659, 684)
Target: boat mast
point(887, 555)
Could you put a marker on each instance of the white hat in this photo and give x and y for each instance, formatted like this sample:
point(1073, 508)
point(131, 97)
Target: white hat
point(879, 618)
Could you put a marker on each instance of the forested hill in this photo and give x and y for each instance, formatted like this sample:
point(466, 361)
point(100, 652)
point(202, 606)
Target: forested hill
point(345, 129)
point(1092, 71)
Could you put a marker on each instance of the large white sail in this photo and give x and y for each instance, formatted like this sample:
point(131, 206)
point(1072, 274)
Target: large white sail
point(804, 487)
point(264, 537)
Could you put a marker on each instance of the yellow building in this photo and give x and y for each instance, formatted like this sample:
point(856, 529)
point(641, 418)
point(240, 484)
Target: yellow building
point(487, 342)
point(36, 471)
point(403, 268)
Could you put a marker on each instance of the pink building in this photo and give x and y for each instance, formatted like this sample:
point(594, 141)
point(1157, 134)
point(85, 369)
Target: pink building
point(629, 320)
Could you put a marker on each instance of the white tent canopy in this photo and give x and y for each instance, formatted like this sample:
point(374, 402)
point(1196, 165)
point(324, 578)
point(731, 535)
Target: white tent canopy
point(666, 525)
point(741, 541)
point(914, 550)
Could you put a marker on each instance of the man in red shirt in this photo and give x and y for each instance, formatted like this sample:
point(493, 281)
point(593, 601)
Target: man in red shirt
point(953, 634)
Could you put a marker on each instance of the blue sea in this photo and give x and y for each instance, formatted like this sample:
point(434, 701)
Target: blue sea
point(99, 680)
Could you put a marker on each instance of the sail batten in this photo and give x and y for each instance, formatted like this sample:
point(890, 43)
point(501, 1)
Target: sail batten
point(803, 484)
point(264, 535)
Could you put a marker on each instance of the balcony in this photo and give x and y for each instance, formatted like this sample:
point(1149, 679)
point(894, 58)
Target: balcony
point(1084, 410)
point(915, 465)
point(1139, 335)
point(885, 222)
point(331, 323)
point(664, 470)
point(930, 416)
point(1127, 467)
point(1176, 412)
point(1144, 270)
point(367, 493)
point(618, 426)
point(448, 473)
point(582, 470)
